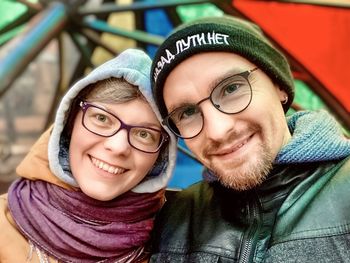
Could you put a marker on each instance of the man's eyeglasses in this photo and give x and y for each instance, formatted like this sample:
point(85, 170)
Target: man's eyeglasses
point(105, 124)
point(232, 95)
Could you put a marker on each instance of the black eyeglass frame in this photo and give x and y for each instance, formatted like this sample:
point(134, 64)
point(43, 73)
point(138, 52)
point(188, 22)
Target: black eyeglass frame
point(85, 106)
point(244, 74)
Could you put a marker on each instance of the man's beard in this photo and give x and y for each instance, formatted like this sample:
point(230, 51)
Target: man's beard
point(247, 176)
point(241, 174)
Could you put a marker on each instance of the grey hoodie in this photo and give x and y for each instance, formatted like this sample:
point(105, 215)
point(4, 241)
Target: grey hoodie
point(134, 66)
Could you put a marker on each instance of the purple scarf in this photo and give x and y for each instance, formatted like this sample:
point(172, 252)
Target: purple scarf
point(72, 227)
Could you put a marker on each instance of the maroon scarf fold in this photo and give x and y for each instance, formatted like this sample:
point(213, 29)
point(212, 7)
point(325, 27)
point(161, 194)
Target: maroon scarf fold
point(73, 227)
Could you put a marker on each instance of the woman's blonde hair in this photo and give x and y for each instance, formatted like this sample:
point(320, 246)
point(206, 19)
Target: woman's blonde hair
point(112, 90)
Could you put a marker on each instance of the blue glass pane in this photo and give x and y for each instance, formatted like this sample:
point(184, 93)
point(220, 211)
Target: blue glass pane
point(158, 23)
point(187, 171)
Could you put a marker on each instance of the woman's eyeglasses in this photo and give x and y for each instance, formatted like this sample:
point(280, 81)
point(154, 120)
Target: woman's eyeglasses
point(105, 124)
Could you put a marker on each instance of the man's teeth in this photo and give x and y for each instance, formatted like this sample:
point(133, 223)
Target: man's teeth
point(106, 167)
point(239, 146)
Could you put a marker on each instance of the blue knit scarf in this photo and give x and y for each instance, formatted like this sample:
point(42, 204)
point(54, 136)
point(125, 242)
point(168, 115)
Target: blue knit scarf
point(316, 137)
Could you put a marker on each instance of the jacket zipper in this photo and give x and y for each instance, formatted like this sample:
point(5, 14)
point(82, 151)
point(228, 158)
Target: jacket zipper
point(248, 241)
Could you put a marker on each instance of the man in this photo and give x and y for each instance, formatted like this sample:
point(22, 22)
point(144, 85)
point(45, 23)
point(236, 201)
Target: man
point(275, 189)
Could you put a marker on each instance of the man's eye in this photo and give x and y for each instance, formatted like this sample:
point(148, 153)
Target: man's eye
point(188, 112)
point(184, 114)
point(230, 88)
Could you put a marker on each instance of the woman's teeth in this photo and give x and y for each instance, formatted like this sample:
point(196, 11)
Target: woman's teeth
point(106, 167)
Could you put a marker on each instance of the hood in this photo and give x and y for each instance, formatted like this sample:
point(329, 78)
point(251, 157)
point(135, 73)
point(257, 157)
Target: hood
point(133, 65)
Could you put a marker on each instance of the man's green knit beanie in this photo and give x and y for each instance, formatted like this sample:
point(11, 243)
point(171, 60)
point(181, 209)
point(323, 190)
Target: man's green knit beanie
point(228, 34)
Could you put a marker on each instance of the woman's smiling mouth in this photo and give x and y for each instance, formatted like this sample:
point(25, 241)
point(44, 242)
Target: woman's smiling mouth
point(107, 167)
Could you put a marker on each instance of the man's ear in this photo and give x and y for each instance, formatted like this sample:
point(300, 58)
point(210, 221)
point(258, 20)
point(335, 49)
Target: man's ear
point(282, 94)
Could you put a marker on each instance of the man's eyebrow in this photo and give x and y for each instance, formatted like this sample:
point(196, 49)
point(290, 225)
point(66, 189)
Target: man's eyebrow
point(180, 105)
point(224, 75)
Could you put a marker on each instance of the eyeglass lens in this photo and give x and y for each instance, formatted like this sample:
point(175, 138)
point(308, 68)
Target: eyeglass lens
point(105, 124)
point(232, 95)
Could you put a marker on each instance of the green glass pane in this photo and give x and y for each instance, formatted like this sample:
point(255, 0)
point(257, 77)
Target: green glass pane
point(9, 12)
point(306, 98)
point(309, 100)
point(191, 12)
point(7, 36)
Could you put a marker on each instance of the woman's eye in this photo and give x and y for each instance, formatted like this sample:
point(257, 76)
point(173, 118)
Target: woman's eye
point(144, 134)
point(101, 118)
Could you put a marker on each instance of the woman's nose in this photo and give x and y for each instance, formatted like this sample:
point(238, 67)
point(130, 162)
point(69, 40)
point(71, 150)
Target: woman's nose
point(118, 143)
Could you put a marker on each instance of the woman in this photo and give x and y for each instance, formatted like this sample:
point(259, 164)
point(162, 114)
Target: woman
point(90, 187)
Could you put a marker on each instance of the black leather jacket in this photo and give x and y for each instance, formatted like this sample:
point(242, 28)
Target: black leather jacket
point(300, 213)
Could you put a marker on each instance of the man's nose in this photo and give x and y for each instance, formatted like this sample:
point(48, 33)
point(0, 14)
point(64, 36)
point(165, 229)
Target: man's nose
point(217, 125)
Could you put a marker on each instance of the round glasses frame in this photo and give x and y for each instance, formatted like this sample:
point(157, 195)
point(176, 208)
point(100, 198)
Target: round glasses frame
point(163, 139)
point(170, 124)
